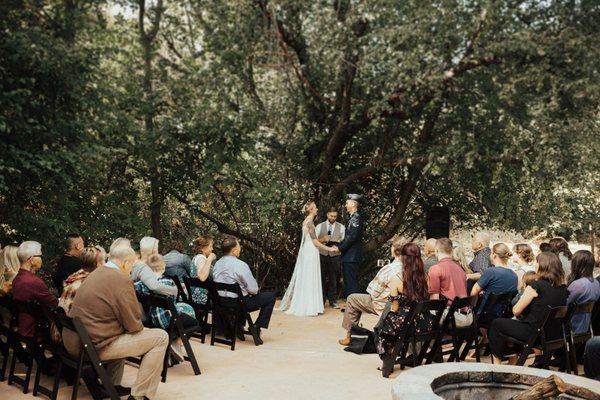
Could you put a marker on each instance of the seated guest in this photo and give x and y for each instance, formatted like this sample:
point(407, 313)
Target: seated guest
point(591, 356)
point(69, 263)
point(528, 277)
point(120, 241)
point(378, 291)
point(28, 287)
point(524, 260)
point(160, 317)
point(90, 259)
point(429, 252)
point(459, 256)
point(9, 268)
point(201, 266)
point(107, 305)
point(582, 287)
point(141, 272)
point(230, 269)
point(499, 280)
point(405, 290)
point(547, 290)
point(178, 264)
point(560, 247)
point(481, 249)
point(545, 247)
point(448, 280)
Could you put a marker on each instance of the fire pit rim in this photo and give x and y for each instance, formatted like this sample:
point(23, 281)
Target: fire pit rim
point(416, 382)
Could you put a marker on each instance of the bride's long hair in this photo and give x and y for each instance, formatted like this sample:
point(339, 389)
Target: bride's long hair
point(308, 207)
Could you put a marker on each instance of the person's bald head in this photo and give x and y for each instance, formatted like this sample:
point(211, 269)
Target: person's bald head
point(429, 247)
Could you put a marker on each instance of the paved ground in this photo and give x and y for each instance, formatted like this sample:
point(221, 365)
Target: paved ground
point(299, 360)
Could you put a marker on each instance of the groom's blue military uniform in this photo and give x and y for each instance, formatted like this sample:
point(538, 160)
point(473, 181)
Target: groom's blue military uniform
point(352, 253)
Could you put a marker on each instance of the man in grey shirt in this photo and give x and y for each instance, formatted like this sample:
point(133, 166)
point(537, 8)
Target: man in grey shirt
point(230, 269)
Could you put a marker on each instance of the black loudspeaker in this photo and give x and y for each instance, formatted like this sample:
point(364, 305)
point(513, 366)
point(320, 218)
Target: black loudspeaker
point(437, 223)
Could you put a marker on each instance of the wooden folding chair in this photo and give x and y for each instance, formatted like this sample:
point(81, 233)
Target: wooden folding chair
point(496, 306)
point(88, 357)
point(24, 348)
point(409, 337)
point(229, 314)
point(552, 316)
point(576, 339)
point(182, 296)
point(175, 330)
point(6, 333)
point(458, 335)
point(202, 310)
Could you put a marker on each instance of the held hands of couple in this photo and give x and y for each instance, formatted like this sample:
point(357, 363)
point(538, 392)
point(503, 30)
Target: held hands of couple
point(335, 249)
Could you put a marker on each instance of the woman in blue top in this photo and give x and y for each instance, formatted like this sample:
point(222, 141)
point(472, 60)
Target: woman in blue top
point(582, 287)
point(498, 280)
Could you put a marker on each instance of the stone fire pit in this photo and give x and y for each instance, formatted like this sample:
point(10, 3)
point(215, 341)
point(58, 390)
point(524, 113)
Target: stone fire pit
point(454, 381)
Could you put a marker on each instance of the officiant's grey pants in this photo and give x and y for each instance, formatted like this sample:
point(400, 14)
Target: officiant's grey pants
point(356, 304)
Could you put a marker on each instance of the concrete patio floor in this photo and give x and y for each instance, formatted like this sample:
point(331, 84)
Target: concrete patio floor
point(300, 359)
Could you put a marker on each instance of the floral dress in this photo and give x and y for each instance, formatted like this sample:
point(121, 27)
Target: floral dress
point(199, 295)
point(392, 323)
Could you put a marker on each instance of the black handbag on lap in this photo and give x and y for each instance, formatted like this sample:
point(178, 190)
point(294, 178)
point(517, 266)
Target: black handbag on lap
point(362, 341)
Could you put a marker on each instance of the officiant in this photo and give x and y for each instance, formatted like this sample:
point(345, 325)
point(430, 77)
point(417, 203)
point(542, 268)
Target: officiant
point(331, 233)
point(351, 246)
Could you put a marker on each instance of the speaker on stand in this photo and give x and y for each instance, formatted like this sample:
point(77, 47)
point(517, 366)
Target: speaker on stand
point(437, 222)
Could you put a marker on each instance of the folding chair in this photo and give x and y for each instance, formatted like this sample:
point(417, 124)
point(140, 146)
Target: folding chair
point(229, 314)
point(6, 333)
point(175, 330)
point(457, 335)
point(552, 316)
point(88, 357)
point(496, 306)
point(578, 338)
point(409, 336)
point(24, 348)
point(202, 310)
point(181, 294)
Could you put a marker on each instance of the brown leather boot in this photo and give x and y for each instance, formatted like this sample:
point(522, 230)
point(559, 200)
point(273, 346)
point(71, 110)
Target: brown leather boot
point(345, 341)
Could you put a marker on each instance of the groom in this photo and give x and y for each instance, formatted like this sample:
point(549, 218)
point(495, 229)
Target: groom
point(351, 246)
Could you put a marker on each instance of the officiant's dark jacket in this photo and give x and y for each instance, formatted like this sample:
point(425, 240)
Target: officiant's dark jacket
point(351, 246)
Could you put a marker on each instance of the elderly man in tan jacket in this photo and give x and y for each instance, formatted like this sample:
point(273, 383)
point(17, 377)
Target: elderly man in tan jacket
point(107, 305)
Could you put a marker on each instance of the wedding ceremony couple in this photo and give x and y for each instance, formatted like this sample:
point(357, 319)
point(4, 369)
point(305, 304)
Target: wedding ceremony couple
point(324, 250)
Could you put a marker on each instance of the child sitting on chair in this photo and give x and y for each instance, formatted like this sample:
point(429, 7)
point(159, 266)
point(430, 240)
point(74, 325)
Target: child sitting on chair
point(160, 317)
point(528, 277)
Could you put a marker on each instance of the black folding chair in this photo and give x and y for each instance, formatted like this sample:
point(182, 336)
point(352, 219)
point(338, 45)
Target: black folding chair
point(202, 310)
point(7, 330)
point(88, 357)
point(175, 330)
point(557, 317)
point(496, 306)
point(409, 337)
point(181, 294)
point(576, 339)
point(457, 335)
point(229, 314)
point(24, 348)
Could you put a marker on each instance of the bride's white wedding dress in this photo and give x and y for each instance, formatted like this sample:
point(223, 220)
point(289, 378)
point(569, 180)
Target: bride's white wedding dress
point(304, 296)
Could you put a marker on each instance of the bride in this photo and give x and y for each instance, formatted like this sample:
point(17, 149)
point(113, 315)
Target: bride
point(304, 296)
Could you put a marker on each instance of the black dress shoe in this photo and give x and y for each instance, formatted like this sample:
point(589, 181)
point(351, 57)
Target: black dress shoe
point(122, 390)
point(133, 398)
